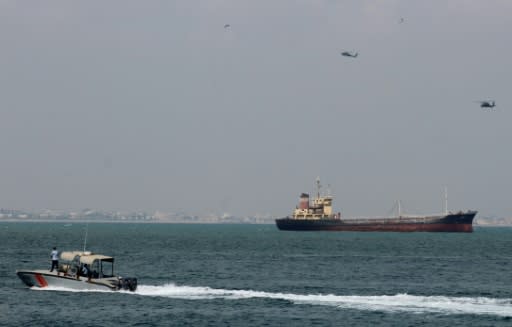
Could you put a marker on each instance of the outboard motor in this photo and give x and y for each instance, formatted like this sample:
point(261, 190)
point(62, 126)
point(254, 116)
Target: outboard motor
point(128, 283)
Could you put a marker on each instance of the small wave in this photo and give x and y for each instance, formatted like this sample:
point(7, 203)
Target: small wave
point(387, 303)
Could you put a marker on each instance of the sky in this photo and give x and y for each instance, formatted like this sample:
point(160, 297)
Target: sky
point(154, 105)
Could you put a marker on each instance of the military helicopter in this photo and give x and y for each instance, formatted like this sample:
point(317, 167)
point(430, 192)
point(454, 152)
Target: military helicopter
point(487, 104)
point(349, 54)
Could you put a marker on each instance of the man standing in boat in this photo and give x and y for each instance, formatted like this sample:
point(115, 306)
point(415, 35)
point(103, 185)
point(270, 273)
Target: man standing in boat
point(55, 259)
point(86, 272)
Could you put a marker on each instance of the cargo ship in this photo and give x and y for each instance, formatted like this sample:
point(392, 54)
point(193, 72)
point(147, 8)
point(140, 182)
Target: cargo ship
point(317, 215)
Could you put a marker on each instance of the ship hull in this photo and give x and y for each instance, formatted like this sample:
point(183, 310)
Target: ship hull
point(461, 222)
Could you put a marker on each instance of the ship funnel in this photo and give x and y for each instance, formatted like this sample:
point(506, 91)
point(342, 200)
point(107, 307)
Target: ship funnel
point(304, 201)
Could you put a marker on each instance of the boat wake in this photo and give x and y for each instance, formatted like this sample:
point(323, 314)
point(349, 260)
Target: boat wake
point(387, 303)
point(384, 303)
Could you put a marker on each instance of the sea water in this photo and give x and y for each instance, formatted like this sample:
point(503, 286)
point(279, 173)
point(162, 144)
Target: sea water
point(255, 275)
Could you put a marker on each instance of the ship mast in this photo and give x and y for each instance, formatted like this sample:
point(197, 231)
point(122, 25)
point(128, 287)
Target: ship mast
point(318, 186)
point(399, 209)
point(445, 200)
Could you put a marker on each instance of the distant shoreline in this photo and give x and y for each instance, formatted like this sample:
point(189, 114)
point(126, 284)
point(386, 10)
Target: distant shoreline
point(131, 222)
point(63, 221)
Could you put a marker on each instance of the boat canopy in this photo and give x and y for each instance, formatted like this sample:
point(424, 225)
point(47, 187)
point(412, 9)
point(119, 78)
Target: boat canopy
point(85, 257)
point(101, 266)
point(89, 259)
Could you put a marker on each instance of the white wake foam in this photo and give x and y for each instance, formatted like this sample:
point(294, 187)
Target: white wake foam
point(387, 303)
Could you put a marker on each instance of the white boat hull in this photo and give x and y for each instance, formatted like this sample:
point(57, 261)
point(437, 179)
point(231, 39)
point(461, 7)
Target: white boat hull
point(45, 278)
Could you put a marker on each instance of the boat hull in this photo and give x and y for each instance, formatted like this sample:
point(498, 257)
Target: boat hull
point(461, 222)
point(44, 278)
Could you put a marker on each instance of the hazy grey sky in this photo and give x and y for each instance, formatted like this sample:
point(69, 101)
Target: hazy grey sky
point(153, 105)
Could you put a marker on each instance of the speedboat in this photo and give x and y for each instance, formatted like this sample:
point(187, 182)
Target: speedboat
point(101, 274)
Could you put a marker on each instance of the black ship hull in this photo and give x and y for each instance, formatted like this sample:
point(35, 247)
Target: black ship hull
point(461, 222)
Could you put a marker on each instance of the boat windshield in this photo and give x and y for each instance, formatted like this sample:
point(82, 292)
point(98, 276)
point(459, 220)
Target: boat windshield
point(103, 268)
point(106, 268)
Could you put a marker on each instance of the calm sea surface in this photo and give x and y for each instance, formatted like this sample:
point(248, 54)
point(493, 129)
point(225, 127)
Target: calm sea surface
point(255, 275)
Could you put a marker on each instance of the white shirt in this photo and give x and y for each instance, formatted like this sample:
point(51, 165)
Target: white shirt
point(55, 255)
